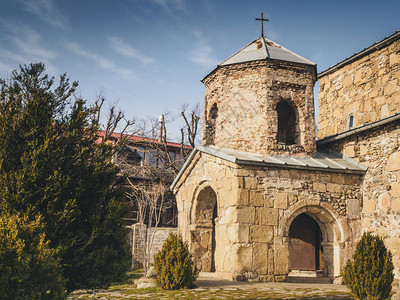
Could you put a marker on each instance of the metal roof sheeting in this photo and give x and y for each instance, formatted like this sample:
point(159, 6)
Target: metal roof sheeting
point(322, 161)
point(263, 48)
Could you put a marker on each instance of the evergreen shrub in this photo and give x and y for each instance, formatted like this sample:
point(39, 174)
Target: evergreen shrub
point(370, 274)
point(174, 265)
point(29, 269)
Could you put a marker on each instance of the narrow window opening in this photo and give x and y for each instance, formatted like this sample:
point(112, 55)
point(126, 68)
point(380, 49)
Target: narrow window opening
point(351, 121)
point(210, 124)
point(286, 124)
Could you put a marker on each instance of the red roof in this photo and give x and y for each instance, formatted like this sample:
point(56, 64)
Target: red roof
point(135, 138)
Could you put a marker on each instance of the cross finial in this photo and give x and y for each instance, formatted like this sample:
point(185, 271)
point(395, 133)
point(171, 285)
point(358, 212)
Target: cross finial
point(262, 23)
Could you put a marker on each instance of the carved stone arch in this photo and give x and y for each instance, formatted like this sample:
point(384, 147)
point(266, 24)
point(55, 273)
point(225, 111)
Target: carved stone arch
point(203, 218)
point(335, 232)
point(200, 186)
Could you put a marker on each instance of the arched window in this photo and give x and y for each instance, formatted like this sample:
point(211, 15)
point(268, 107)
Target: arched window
point(351, 121)
point(286, 123)
point(210, 124)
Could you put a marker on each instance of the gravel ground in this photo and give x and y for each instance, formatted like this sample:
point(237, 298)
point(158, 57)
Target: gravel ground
point(211, 288)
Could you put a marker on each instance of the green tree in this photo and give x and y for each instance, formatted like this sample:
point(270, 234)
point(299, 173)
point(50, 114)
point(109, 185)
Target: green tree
point(53, 163)
point(370, 274)
point(28, 267)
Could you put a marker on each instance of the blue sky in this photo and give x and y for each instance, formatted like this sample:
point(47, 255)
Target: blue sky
point(148, 56)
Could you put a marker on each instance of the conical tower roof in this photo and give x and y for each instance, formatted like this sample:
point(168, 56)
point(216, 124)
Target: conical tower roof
point(263, 48)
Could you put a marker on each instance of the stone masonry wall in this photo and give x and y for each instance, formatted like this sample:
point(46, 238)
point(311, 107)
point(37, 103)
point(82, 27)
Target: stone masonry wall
point(243, 98)
point(159, 235)
point(379, 149)
point(256, 206)
point(368, 89)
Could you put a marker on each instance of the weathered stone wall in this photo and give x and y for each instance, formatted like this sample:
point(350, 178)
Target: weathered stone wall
point(379, 149)
point(137, 243)
point(256, 206)
point(368, 89)
point(240, 106)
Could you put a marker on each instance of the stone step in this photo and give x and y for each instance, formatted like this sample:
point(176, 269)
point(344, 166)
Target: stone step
point(321, 280)
point(208, 275)
point(297, 276)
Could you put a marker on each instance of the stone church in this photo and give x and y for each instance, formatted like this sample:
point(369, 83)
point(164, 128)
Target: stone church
point(262, 198)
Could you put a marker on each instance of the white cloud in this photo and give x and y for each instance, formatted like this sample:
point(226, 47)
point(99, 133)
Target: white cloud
point(171, 4)
point(125, 49)
point(103, 62)
point(5, 68)
point(46, 11)
point(202, 53)
point(28, 47)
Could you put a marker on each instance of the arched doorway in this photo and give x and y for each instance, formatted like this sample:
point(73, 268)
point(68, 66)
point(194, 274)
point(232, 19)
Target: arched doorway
point(305, 244)
point(203, 232)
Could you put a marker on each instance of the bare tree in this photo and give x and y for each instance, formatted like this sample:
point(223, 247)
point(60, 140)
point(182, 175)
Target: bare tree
point(192, 122)
point(151, 202)
point(116, 128)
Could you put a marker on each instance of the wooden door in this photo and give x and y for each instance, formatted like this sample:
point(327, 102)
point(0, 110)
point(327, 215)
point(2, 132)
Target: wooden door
point(304, 244)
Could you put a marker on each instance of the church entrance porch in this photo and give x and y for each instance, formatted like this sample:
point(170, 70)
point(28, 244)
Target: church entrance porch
point(315, 237)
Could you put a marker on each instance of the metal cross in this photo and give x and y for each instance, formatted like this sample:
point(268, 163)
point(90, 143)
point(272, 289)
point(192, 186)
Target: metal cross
point(262, 23)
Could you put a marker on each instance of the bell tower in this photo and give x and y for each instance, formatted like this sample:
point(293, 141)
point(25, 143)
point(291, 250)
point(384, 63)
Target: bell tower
point(260, 100)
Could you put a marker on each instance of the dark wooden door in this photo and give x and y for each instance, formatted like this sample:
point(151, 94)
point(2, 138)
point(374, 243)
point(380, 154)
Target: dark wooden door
point(303, 243)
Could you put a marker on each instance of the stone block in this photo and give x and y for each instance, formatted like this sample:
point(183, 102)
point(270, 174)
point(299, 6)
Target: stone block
point(319, 187)
point(269, 216)
point(238, 233)
point(237, 182)
point(393, 163)
point(334, 188)
point(270, 261)
point(363, 150)
point(365, 223)
point(390, 87)
point(256, 198)
point(349, 151)
point(384, 200)
point(292, 198)
point(393, 243)
point(242, 197)
point(385, 112)
point(281, 259)
point(347, 81)
point(228, 215)
point(246, 215)
point(261, 233)
point(227, 198)
point(238, 277)
point(226, 183)
point(337, 178)
point(280, 278)
point(281, 200)
point(266, 278)
point(396, 204)
point(250, 183)
point(353, 209)
point(395, 189)
point(242, 258)
point(369, 206)
point(260, 258)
